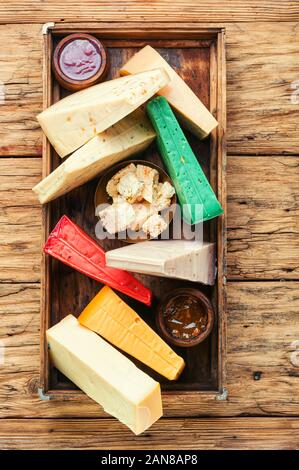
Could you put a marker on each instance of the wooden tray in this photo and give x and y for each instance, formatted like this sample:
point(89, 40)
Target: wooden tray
point(199, 57)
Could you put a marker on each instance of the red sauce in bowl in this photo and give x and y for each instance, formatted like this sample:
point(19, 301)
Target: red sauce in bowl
point(80, 59)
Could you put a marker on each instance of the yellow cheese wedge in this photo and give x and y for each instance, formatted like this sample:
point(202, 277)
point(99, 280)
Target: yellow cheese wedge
point(192, 113)
point(112, 318)
point(76, 119)
point(129, 136)
point(105, 374)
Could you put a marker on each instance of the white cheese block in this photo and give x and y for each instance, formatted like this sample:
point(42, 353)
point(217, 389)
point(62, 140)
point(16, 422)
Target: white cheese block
point(76, 119)
point(105, 374)
point(192, 113)
point(129, 136)
point(190, 260)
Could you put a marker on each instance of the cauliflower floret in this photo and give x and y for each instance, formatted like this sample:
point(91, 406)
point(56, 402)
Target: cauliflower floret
point(166, 190)
point(131, 168)
point(154, 225)
point(111, 187)
point(162, 196)
point(142, 212)
point(117, 217)
point(118, 199)
point(149, 176)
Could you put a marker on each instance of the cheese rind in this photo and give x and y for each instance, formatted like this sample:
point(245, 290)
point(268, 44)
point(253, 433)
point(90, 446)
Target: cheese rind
point(190, 260)
point(76, 119)
point(71, 245)
point(196, 196)
point(105, 375)
point(108, 315)
point(131, 135)
point(192, 113)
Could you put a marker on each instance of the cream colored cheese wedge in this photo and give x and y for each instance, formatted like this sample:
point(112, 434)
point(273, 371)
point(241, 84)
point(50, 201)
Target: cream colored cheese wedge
point(129, 136)
point(192, 113)
point(190, 260)
point(108, 315)
point(76, 119)
point(105, 374)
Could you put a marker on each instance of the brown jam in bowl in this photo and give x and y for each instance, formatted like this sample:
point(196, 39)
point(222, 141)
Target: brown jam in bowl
point(185, 317)
point(79, 61)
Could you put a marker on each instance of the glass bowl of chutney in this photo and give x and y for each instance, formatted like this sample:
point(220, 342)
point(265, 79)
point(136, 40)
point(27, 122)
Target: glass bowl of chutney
point(185, 317)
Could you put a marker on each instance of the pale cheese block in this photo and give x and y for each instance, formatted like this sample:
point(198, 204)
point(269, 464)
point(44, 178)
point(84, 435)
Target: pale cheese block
point(108, 315)
point(105, 374)
point(192, 113)
point(190, 260)
point(131, 135)
point(76, 119)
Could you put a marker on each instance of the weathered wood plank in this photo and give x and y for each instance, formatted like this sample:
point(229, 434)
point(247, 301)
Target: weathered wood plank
point(203, 434)
point(261, 71)
point(20, 220)
point(263, 223)
point(262, 67)
point(262, 325)
point(262, 364)
point(20, 89)
point(37, 11)
point(262, 218)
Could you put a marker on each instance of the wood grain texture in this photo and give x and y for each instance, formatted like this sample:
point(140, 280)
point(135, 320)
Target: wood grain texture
point(262, 67)
point(263, 223)
point(262, 218)
point(20, 89)
point(262, 325)
point(263, 234)
point(202, 434)
point(20, 220)
point(37, 11)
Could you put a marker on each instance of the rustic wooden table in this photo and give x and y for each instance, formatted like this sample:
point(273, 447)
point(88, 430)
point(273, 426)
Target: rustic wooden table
point(262, 407)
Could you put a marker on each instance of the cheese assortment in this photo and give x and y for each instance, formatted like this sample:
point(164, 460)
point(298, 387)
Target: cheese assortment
point(191, 112)
point(109, 316)
point(197, 198)
point(129, 136)
point(181, 259)
point(100, 126)
point(76, 119)
point(105, 375)
point(71, 245)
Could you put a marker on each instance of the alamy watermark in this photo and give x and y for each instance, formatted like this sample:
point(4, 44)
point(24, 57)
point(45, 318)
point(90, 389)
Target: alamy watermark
point(294, 356)
point(2, 353)
point(180, 227)
point(2, 92)
point(295, 93)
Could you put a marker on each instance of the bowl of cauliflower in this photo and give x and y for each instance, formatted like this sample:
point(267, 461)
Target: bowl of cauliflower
point(136, 199)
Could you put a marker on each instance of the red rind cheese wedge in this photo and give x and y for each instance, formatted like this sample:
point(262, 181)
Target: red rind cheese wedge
point(71, 245)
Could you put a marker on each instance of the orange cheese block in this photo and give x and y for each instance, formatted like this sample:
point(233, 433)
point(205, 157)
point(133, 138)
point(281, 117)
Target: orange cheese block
point(109, 316)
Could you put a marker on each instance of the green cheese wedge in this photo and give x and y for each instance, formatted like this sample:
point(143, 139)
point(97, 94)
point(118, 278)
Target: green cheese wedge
point(196, 196)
